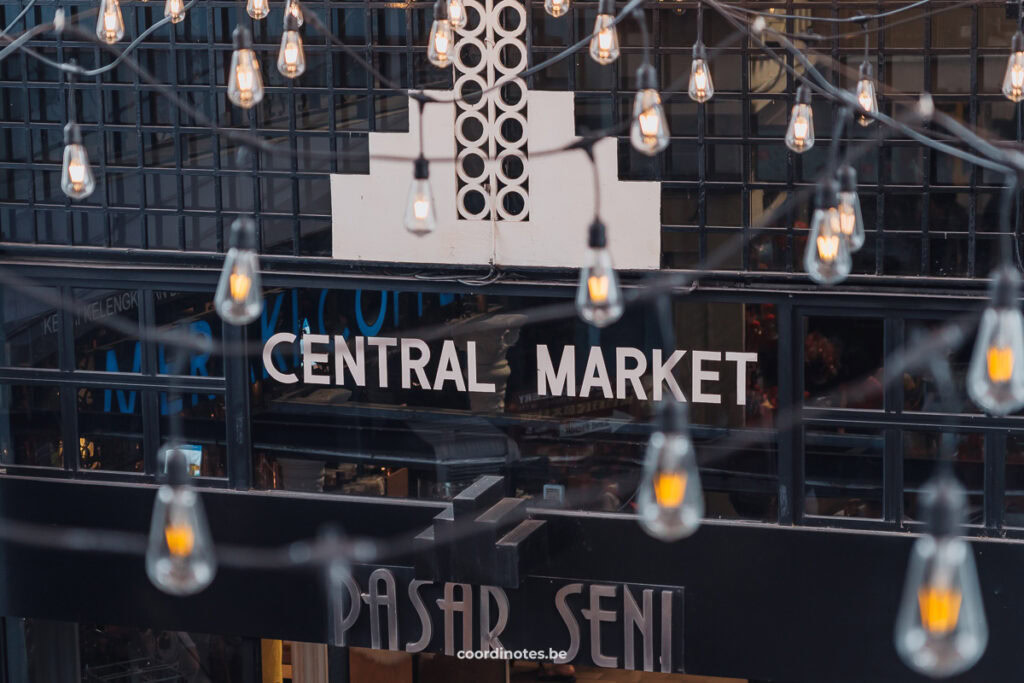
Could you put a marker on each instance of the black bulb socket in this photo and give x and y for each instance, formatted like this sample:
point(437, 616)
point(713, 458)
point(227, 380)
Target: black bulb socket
point(441, 10)
point(598, 236)
point(241, 38)
point(72, 134)
point(606, 7)
point(177, 468)
point(827, 194)
point(847, 177)
point(1017, 42)
point(1005, 287)
point(674, 417)
point(243, 234)
point(699, 51)
point(803, 94)
point(421, 169)
point(943, 502)
point(866, 72)
point(291, 22)
point(646, 77)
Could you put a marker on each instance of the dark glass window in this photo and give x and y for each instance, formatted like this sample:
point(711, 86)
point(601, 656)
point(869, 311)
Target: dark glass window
point(30, 425)
point(921, 452)
point(107, 330)
point(842, 355)
point(110, 429)
point(843, 476)
point(189, 313)
point(30, 328)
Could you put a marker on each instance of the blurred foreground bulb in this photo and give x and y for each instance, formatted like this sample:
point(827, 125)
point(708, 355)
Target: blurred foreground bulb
point(180, 558)
point(442, 37)
point(701, 87)
point(239, 296)
point(291, 60)
point(995, 376)
point(604, 42)
point(457, 14)
point(109, 22)
point(76, 179)
point(175, 11)
point(800, 133)
point(598, 296)
point(293, 9)
point(670, 500)
point(649, 131)
point(420, 217)
point(257, 9)
point(556, 8)
point(827, 257)
point(1013, 81)
point(940, 628)
point(245, 82)
point(867, 100)
point(851, 221)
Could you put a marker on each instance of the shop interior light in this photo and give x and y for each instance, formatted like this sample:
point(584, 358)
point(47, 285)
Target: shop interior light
point(598, 296)
point(670, 501)
point(239, 295)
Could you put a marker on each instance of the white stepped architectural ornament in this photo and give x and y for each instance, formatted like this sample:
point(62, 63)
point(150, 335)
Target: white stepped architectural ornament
point(477, 221)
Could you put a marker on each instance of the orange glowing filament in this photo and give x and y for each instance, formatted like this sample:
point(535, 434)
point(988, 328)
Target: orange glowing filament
point(847, 219)
point(700, 80)
point(864, 97)
point(1017, 74)
point(828, 247)
point(800, 127)
point(670, 488)
point(180, 539)
point(239, 284)
point(597, 286)
point(650, 122)
point(940, 609)
point(1000, 363)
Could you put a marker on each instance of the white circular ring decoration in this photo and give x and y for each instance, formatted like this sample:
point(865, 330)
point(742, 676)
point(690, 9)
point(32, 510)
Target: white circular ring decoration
point(507, 106)
point(460, 169)
point(500, 203)
point(479, 45)
point(500, 137)
point(478, 79)
point(462, 118)
point(515, 44)
point(495, 18)
point(500, 171)
point(460, 200)
point(481, 23)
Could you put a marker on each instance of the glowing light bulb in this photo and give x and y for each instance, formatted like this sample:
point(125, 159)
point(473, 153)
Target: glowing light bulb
point(257, 9)
point(442, 37)
point(940, 628)
point(867, 100)
point(175, 11)
point(827, 256)
point(598, 296)
point(291, 60)
point(604, 42)
point(293, 9)
point(76, 179)
point(1013, 81)
point(851, 220)
point(457, 14)
point(995, 378)
point(556, 8)
point(701, 88)
point(649, 131)
point(670, 501)
point(800, 132)
point(245, 82)
point(180, 558)
point(239, 295)
point(109, 21)
point(420, 217)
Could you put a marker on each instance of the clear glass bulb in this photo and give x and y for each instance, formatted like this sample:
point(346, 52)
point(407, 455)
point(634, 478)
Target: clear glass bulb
point(457, 14)
point(827, 257)
point(940, 628)
point(670, 500)
point(440, 44)
point(257, 9)
point(245, 82)
point(604, 43)
point(995, 376)
point(867, 102)
point(556, 8)
point(649, 132)
point(76, 179)
point(239, 295)
point(420, 217)
point(291, 60)
point(800, 132)
point(294, 10)
point(1013, 81)
point(851, 221)
point(702, 88)
point(109, 22)
point(598, 296)
point(180, 558)
point(175, 11)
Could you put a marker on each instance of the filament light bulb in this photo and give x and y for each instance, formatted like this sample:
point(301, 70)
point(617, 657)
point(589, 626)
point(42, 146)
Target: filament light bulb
point(941, 629)
point(180, 558)
point(245, 82)
point(291, 60)
point(800, 132)
point(604, 42)
point(670, 500)
point(598, 296)
point(442, 37)
point(293, 9)
point(556, 8)
point(1013, 81)
point(257, 9)
point(420, 216)
point(995, 376)
point(827, 256)
point(457, 14)
point(867, 100)
point(851, 220)
point(649, 132)
point(701, 88)
point(239, 295)
point(110, 22)
point(175, 11)
point(76, 179)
